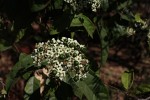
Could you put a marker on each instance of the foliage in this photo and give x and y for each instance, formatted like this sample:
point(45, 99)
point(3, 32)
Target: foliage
point(37, 21)
point(127, 79)
point(49, 74)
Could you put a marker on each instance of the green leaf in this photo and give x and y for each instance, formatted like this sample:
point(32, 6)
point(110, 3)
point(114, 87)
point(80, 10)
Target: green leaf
point(143, 88)
point(58, 4)
point(72, 34)
point(49, 94)
point(125, 17)
point(53, 98)
point(127, 79)
point(26, 97)
point(53, 32)
point(77, 91)
point(39, 6)
point(26, 76)
point(12, 27)
point(75, 87)
point(88, 25)
point(86, 90)
point(76, 22)
point(20, 35)
point(124, 5)
point(82, 20)
point(25, 61)
point(104, 4)
point(92, 87)
point(32, 85)
point(104, 45)
point(62, 22)
point(38, 38)
point(138, 18)
point(96, 85)
point(52, 94)
point(3, 47)
point(119, 31)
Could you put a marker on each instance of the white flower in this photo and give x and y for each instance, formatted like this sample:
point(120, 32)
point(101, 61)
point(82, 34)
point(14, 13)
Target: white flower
point(81, 66)
point(78, 58)
point(69, 1)
point(35, 50)
point(130, 31)
point(41, 44)
point(95, 5)
point(53, 40)
point(148, 35)
point(84, 75)
point(82, 46)
point(81, 4)
point(62, 56)
point(69, 64)
point(63, 39)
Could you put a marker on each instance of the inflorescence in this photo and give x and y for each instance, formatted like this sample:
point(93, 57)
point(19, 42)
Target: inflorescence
point(61, 57)
point(80, 4)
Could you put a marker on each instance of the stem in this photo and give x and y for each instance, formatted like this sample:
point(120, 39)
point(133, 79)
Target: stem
point(124, 92)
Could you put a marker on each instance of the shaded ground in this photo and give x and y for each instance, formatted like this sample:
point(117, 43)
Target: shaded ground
point(126, 54)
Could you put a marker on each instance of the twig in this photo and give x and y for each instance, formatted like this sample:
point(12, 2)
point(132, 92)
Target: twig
point(148, 98)
point(124, 92)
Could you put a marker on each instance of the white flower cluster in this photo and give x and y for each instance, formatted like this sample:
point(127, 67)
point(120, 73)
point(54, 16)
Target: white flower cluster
point(148, 35)
point(61, 57)
point(95, 5)
point(73, 3)
point(130, 31)
point(80, 4)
